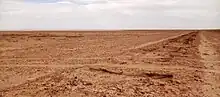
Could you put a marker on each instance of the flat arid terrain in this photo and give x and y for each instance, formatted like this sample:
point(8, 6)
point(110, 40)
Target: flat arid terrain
point(110, 63)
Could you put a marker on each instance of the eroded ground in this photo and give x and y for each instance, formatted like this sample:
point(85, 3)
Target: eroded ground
point(110, 64)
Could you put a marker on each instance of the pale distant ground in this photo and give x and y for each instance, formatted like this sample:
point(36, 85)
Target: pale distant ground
point(158, 63)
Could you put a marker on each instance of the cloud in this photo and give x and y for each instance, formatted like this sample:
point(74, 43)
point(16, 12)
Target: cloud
point(108, 14)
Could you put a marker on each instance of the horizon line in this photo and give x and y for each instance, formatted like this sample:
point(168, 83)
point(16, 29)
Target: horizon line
point(202, 29)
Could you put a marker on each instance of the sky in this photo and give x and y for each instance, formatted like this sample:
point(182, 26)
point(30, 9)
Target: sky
point(108, 14)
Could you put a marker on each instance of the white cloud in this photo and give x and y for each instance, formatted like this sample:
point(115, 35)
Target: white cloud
point(107, 14)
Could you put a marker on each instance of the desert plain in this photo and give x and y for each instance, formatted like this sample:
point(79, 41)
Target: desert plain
point(133, 63)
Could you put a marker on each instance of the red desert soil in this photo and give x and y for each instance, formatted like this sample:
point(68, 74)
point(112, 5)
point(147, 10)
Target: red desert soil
point(110, 64)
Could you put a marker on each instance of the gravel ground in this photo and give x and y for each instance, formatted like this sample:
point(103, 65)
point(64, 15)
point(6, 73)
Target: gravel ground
point(110, 64)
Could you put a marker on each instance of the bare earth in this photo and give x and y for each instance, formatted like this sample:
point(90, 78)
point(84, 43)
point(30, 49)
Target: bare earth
point(110, 64)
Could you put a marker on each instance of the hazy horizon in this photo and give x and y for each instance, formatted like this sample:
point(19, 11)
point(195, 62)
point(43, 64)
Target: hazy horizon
point(108, 14)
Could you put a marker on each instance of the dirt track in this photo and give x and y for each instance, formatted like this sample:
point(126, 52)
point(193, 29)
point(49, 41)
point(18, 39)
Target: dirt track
point(110, 64)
